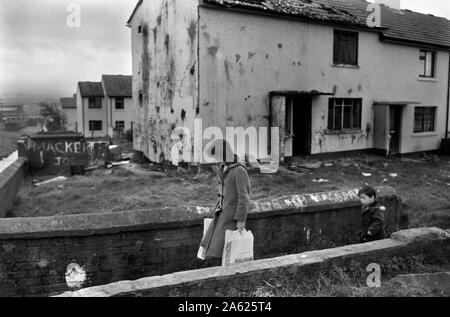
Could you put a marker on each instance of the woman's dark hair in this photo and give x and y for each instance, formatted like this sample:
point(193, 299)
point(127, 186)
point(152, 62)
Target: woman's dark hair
point(368, 191)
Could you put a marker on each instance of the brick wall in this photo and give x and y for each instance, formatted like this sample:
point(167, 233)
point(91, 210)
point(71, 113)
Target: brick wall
point(35, 253)
point(10, 181)
point(242, 277)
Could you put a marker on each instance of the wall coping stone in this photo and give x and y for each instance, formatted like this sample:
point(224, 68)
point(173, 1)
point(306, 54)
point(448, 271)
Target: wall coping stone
point(169, 218)
point(9, 172)
point(292, 263)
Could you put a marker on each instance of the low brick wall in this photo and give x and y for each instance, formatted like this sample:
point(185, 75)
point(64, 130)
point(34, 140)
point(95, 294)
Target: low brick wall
point(10, 181)
point(210, 282)
point(35, 254)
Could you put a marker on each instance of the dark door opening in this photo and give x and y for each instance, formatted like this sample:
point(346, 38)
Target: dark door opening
point(301, 125)
point(395, 130)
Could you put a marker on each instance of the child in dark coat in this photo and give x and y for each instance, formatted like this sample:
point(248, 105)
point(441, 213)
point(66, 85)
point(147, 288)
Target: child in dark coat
point(372, 216)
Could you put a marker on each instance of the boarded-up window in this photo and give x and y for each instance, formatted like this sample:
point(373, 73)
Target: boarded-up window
point(345, 48)
point(95, 125)
point(424, 119)
point(427, 63)
point(344, 114)
point(95, 103)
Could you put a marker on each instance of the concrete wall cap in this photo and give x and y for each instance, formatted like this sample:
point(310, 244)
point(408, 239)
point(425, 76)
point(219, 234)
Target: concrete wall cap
point(420, 235)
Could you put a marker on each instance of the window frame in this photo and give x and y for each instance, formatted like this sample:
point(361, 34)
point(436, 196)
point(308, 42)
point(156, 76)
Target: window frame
point(339, 37)
point(95, 103)
point(117, 127)
point(122, 101)
point(355, 114)
point(92, 125)
point(433, 115)
point(423, 73)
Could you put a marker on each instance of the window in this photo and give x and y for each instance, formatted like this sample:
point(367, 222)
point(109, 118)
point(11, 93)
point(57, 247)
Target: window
point(427, 63)
point(424, 119)
point(95, 125)
point(120, 125)
point(345, 50)
point(344, 114)
point(139, 29)
point(120, 103)
point(95, 103)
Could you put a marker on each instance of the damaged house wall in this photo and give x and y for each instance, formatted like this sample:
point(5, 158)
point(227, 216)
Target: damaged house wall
point(243, 57)
point(165, 73)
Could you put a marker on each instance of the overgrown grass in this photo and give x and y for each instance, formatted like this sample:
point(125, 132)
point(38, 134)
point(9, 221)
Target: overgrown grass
point(424, 187)
point(8, 142)
point(352, 281)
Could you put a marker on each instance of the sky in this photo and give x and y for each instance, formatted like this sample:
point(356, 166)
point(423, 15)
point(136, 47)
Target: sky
point(41, 54)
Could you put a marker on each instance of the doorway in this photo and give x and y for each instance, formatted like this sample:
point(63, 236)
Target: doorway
point(301, 125)
point(395, 129)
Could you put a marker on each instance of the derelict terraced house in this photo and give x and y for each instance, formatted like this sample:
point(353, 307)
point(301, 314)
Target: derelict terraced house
point(314, 68)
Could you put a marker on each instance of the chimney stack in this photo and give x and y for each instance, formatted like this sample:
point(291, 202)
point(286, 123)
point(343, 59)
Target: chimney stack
point(394, 4)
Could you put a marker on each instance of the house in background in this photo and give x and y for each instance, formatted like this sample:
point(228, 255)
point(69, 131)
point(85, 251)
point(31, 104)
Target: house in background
point(91, 109)
point(118, 93)
point(69, 108)
point(104, 107)
point(313, 68)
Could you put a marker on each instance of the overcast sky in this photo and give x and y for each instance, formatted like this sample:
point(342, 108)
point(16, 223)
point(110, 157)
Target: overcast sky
point(39, 53)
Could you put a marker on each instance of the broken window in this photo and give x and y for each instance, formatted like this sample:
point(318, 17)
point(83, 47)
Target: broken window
point(427, 63)
point(95, 103)
point(120, 125)
point(120, 103)
point(345, 50)
point(424, 119)
point(344, 114)
point(95, 125)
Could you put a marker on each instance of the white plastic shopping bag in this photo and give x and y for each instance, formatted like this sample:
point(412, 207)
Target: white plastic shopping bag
point(201, 251)
point(238, 247)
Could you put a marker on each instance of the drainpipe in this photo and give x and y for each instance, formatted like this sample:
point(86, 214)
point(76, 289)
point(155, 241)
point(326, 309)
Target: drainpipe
point(448, 99)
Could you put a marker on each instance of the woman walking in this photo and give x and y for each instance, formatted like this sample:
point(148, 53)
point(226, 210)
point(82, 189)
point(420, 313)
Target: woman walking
point(234, 200)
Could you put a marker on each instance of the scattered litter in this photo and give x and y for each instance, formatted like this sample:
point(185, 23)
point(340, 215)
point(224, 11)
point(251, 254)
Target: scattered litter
point(127, 156)
point(367, 174)
point(91, 168)
point(61, 186)
point(120, 163)
point(313, 166)
point(386, 165)
point(385, 180)
point(53, 180)
point(303, 256)
point(320, 180)
point(393, 175)
point(328, 164)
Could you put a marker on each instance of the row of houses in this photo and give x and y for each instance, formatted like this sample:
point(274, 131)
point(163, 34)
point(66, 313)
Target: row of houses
point(317, 69)
point(100, 109)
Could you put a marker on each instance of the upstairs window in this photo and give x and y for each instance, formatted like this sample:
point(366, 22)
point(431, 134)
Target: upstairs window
point(120, 103)
point(424, 119)
point(344, 114)
point(345, 50)
point(95, 103)
point(427, 64)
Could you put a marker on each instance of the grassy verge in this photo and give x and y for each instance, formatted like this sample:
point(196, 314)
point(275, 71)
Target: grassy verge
point(8, 142)
point(351, 281)
point(423, 185)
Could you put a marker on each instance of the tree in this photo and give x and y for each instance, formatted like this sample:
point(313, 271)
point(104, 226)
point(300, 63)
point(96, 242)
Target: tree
point(53, 117)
